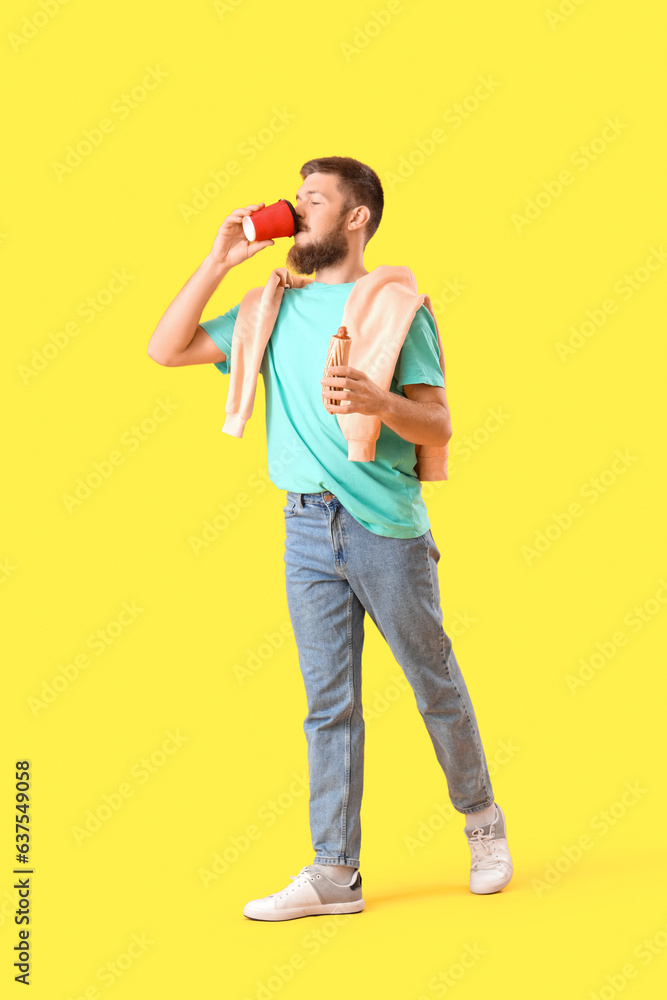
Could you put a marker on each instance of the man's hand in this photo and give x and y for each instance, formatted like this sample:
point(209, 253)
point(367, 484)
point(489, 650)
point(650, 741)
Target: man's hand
point(421, 416)
point(230, 246)
point(360, 395)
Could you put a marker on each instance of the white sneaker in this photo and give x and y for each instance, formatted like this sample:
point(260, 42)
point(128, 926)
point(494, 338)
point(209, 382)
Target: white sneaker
point(491, 865)
point(310, 893)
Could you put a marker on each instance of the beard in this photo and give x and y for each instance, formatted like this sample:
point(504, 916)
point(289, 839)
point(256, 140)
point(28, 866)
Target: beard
point(304, 258)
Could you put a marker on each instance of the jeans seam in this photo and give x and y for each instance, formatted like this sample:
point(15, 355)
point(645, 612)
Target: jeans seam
point(348, 722)
point(342, 859)
point(430, 572)
point(473, 729)
point(445, 659)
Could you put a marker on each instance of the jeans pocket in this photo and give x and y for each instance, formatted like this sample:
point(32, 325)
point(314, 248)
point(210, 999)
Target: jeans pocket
point(431, 548)
point(290, 508)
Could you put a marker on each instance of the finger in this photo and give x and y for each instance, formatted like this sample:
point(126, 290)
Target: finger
point(335, 393)
point(256, 247)
point(348, 406)
point(344, 372)
point(240, 212)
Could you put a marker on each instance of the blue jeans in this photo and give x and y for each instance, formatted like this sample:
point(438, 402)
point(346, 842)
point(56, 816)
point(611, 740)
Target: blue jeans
point(335, 571)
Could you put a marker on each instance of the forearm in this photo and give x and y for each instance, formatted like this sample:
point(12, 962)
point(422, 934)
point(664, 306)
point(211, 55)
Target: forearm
point(420, 423)
point(178, 324)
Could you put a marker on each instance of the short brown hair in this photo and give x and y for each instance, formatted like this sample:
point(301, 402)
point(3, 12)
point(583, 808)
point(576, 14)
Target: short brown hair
point(358, 184)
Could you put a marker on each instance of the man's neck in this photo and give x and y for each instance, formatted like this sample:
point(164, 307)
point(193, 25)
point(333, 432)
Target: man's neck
point(342, 274)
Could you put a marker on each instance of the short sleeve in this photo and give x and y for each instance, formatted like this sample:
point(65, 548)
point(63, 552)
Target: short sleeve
point(419, 357)
point(220, 331)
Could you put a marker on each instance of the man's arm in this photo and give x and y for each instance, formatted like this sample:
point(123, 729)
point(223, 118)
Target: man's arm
point(422, 418)
point(178, 339)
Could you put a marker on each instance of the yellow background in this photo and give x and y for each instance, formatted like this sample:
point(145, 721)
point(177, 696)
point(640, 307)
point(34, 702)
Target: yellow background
point(560, 757)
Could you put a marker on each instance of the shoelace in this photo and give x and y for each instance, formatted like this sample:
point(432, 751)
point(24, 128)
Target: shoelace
point(302, 875)
point(483, 849)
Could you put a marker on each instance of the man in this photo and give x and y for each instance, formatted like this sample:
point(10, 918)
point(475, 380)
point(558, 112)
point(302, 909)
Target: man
point(357, 533)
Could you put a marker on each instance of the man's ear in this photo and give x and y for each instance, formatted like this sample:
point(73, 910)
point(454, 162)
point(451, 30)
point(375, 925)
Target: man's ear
point(360, 217)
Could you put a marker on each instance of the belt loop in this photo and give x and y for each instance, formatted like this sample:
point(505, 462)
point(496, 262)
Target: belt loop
point(299, 499)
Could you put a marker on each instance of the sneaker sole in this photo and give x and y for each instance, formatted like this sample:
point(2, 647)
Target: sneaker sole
point(487, 892)
point(309, 911)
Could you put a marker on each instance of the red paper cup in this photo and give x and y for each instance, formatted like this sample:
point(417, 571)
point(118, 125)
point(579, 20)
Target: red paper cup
point(271, 222)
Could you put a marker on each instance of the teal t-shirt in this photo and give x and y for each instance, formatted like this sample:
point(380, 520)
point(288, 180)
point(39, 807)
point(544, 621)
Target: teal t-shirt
point(307, 451)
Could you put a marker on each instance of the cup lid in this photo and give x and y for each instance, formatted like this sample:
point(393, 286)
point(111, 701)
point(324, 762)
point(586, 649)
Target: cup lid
point(295, 217)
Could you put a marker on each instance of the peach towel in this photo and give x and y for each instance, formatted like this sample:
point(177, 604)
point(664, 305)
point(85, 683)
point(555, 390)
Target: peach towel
point(377, 314)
